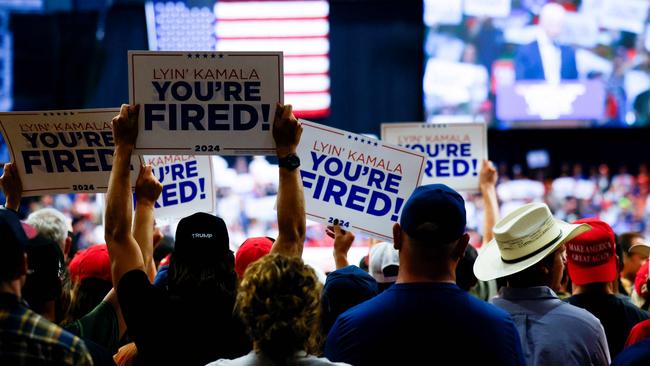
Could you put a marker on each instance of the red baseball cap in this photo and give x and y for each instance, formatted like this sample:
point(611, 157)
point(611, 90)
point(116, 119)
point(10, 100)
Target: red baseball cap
point(91, 263)
point(641, 280)
point(591, 256)
point(251, 250)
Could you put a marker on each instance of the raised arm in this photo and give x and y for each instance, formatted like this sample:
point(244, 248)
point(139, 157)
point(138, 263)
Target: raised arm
point(123, 249)
point(291, 201)
point(488, 182)
point(12, 186)
point(147, 190)
point(342, 242)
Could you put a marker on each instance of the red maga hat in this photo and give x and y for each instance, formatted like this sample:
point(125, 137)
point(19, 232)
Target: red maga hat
point(591, 256)
point(250, 251)
point(91, 263)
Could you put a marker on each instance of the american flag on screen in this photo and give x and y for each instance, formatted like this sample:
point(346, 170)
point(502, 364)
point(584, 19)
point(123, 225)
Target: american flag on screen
point(299, 28)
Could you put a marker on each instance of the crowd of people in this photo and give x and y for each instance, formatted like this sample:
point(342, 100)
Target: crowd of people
point(539, 290)
point(246, 193)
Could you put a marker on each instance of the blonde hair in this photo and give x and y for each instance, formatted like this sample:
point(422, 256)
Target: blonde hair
point(279, 303)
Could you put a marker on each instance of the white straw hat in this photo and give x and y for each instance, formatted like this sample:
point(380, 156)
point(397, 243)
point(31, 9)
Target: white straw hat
point(522, 239)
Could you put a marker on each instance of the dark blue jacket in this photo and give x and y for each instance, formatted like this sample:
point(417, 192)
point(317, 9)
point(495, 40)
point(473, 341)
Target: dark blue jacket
point(528, 63)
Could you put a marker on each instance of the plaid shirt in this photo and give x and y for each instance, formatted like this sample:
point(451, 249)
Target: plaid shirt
point(27, 338)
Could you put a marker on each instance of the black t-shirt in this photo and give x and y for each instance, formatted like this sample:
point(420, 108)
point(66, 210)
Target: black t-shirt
point(170, 330)
point(616, 314)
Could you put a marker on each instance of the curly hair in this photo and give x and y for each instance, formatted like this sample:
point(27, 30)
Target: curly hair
point(279, 302)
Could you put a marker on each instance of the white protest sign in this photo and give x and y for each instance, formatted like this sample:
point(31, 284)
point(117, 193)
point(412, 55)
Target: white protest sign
point(187, 185)
point(487, 8)
point(521, 35)
point(437, 12)
point(455, 82)
point(62, 151)
point(205, 103)
point(592, 7)
point(361, 181)
point(580, 29)
point(625, 15)
point(454, 151)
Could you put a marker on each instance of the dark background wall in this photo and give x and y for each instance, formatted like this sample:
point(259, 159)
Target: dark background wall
point(377, 61)
point(59, 62)
point(614, 147)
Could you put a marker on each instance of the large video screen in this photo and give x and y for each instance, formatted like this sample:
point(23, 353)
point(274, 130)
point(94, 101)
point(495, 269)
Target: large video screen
point(538, 63)
point(298, 28)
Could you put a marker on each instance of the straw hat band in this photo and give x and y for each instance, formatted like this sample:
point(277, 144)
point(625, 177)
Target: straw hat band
point(518, 246)
point(546, 246)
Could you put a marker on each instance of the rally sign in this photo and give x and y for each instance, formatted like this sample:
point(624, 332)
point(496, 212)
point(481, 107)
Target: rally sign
point(62, 151)
point(629, 15)
point(487, 8)
point(187, 185)
point(359, 181)
point(580, 29)
point(442, 12)
point(454, 151)
point(205, 103)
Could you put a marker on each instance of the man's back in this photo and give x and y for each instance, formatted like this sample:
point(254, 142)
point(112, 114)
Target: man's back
point(554, 332)
point(617, 316)
point(27, 338)
point(421, 323)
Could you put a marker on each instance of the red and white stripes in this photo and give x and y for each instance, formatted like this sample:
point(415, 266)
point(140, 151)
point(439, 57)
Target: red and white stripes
point(298, 28)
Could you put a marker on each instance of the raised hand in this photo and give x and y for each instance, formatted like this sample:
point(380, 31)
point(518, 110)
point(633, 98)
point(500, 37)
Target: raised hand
point(488, 176)
point(342, 242)
point(125, 126)
point(147, 186)
point(12, 186)
point(286, 130)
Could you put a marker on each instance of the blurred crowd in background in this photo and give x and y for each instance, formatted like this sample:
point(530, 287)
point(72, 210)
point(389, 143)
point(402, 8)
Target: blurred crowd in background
point(246, 193)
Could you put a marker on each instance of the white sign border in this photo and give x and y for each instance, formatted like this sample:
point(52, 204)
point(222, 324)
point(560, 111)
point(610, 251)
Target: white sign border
point(213, 203)
point(380, 144)
point(484, 133)
point(62, 112)
point(243, 151)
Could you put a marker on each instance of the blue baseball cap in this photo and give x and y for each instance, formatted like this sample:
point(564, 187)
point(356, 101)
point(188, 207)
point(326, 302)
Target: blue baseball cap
point(434, 213)
point(344, 288)
point(352, 278)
